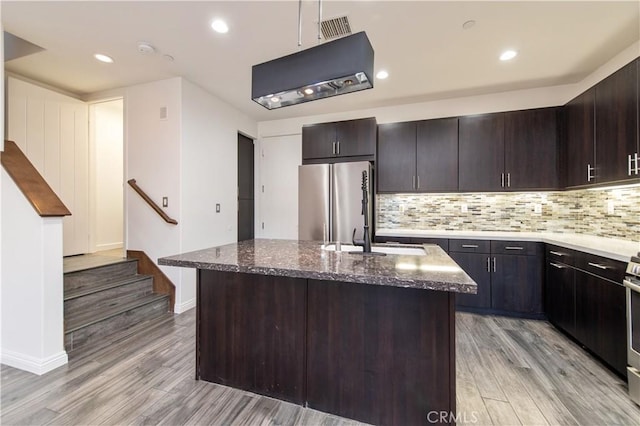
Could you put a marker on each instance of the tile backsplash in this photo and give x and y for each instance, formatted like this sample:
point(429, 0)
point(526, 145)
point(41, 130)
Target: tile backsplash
point(613, 213)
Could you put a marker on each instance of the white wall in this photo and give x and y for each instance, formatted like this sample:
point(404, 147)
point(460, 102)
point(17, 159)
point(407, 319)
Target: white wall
point(106, 174)
point(32, 285)
point(191, 157)
point(209, 170)
point(290, 129)
point(52, 130)
point(152, 158)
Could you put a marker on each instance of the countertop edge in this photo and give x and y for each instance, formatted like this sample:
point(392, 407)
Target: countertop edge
point(562, 240)
point(469, 288)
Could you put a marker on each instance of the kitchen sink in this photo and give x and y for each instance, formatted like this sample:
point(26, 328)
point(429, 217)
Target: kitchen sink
point(410, 251)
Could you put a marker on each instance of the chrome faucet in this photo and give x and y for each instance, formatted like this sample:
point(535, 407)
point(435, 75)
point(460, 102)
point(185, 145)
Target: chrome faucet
point(365, 242)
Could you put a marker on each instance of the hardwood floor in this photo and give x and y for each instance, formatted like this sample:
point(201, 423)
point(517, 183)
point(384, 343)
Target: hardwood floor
point(509, 371)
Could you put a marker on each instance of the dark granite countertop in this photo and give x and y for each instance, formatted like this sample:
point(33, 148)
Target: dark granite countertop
point(307, 259)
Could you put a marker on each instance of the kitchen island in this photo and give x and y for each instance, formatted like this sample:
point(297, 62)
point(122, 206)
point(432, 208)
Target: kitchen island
point(370, 338)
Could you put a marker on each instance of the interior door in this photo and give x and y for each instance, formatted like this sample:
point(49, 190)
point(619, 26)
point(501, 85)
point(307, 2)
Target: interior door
point(245, 189)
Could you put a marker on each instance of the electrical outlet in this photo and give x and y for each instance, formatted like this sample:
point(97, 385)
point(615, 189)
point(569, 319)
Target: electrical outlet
point(464, 208)
point(537, 208)
point(217, 208)
point(165, 201)
point(401, 208)
point(610, 207)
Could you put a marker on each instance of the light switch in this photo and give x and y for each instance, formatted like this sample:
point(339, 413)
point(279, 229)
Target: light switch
point(610, 207)
point(464, 208)
point(537, 208)
point(165, 201)
point(217, 208)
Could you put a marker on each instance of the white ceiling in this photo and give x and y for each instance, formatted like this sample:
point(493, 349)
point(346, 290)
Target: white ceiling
point(421, 43)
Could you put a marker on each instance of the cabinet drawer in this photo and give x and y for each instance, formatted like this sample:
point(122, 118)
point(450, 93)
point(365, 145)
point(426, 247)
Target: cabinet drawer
point(558, 254)
point(469, 246)
point(528, 248)
point(601, 266)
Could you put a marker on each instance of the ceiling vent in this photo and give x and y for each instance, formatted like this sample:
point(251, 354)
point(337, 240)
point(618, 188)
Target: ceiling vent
point(335, 27)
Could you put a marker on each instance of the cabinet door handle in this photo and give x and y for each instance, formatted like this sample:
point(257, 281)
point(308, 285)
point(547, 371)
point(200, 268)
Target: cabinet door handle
point(597, 265)
point(418, 182)
point(556, 253)
point(488, 264)
point(637, 163)
point(629, 162)
point(508, 180)
point(333, 148)
point(589, 170)
point(494, 264)
point(502, 180)
point(338, 150)
point(556, 265)
point(413, 182)
point(470, 246)
point(513, 248)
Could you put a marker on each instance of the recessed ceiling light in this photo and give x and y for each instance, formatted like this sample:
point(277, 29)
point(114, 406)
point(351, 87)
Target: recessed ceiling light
point(220, 26)
point(508, 55)
point(103, 58)
point(382, 74)
point(469, 24)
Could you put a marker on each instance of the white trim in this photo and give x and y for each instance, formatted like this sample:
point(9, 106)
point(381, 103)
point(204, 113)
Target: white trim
point(109, 246)
point(34, 365)
point(185, 306)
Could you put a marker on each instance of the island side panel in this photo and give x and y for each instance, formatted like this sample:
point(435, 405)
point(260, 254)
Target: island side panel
point(252, 333)
point(379, 354)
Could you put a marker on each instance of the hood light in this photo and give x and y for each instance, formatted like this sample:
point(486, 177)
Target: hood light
point(334, 68)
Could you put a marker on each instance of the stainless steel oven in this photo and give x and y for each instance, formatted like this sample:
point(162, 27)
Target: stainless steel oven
point(632, 283)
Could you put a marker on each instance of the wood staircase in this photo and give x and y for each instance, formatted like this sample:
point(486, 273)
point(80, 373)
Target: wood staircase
point(106, 302)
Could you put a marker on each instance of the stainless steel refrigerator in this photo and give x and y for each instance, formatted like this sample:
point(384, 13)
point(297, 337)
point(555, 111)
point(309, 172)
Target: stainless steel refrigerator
point(330, 201)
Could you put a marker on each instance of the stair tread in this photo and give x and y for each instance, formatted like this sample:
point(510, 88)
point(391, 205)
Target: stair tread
point(79, 319)
point(84, 291)
point(99, 262)
point(126, 333)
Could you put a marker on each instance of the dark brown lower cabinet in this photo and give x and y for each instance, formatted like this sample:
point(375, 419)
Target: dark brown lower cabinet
point(251, 333)
point(559, 296)
point(375, 353)
point(477, 266)
point(601, 318)
point(515, 284)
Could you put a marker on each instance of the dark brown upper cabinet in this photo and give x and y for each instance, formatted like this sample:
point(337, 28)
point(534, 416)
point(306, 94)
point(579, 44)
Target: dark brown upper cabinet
point(418, 156)
point(616, 112)
point(579, 121)
point(437, 155)
point(531, 149)
point(396, 161)
point(481, 157)
point(341, 139)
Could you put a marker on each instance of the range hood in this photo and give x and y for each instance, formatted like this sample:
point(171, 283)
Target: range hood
point(334, 68)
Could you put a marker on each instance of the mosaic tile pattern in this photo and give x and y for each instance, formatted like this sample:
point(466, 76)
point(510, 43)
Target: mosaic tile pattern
point(581, 211)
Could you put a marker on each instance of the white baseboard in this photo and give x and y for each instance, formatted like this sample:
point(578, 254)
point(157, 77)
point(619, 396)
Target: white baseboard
point(34, 365)
point(185, 306)
point(109, 246)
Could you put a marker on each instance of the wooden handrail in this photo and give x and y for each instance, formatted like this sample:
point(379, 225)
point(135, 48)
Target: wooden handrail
point(43, 199)
point(134, 185)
